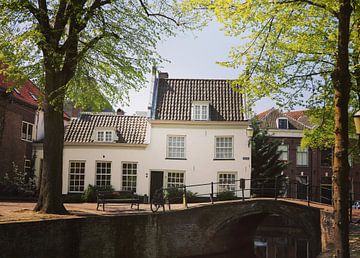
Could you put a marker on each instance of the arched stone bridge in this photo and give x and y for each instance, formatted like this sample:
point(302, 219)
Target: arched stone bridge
point(186, 233)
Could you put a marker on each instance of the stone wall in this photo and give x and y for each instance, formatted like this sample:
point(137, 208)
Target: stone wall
point(191, 232)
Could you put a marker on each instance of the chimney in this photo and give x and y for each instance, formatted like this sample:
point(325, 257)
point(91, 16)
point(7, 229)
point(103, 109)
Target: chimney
point(163, 75)
point(120, 112)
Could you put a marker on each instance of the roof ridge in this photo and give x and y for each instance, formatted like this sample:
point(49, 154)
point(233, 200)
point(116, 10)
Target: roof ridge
point(197, 79)
point(108, 114)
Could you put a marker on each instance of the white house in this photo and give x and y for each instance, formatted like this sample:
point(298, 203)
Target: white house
point(195, 133)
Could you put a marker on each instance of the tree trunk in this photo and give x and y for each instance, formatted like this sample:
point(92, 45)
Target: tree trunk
point(50, 197)
point(342, 83)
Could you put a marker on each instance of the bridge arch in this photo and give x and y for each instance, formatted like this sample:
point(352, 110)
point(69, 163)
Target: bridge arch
point(230, 225)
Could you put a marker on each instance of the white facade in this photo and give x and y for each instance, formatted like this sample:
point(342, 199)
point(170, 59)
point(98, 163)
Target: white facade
point(199, 165)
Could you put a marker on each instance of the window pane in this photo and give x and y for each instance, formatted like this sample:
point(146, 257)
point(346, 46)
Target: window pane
point(200, 111)
point(284, 151)
point(176, 147)
point(283, 123)
point(100, 136)
point(175, 179)
point(224, 147)
point(302, 156)
point(129, 176)
point(103, 174)
point(76, 176)
point(226, 181)
point(108, 136)
point(24, 131)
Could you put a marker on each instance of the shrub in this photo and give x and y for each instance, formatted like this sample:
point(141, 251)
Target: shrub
point(72, 198)
point(89, 194)
point(225, 196)
point(175, 195)
point(18, 185)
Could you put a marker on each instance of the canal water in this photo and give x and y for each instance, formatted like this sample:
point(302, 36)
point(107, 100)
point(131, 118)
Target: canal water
point(276, 237)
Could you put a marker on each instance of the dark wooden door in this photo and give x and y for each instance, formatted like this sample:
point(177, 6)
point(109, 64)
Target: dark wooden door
point(156, 182)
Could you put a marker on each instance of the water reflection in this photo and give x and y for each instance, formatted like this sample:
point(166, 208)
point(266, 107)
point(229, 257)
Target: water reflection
point(275, 237)
point(279, 237)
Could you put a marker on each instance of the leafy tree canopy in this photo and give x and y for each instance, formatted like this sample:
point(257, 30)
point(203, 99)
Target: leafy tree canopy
point(111, 43)
point(289, 47)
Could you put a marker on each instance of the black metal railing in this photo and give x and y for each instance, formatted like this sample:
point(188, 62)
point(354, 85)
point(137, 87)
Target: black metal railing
point(243, 189)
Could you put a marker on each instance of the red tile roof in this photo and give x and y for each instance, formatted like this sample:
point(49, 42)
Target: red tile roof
point(295, 114)
point(28, 93)
point(263, 114)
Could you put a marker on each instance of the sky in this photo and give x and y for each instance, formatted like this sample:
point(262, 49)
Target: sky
point(193, 55)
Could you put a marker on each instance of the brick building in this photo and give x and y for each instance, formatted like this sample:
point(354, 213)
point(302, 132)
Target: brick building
point(19, 117)
point(306, 165)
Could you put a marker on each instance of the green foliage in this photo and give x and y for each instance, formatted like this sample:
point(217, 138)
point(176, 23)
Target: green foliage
point(288, 46)
point(175, 195)
point(100, 49)
point(225, 196)
point(19, 184)
point(90, 193)
point(265, 162)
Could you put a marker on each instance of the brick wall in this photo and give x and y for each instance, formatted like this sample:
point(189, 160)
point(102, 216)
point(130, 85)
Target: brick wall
point(12, 147)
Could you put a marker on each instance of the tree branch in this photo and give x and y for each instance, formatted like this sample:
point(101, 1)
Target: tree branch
point(309, 2)
point(61, 19)
point(157, 14)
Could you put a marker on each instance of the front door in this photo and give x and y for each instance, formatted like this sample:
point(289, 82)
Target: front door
point(156, 182)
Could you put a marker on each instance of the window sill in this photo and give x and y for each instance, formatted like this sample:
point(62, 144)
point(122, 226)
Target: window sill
point(25, 140)
point(224, 159)
point(176, 158)
point(302, 166)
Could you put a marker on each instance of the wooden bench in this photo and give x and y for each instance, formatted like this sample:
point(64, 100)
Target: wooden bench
point(117, 197)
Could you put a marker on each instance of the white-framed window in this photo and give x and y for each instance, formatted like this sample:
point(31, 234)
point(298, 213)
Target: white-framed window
point(104, 136)
point(103, 173)
point(302, 156)
point(27, 131)
point(284, 152)
point(226, 181)
point(175, 179)
point(129, 172)
point(108, 136)
point(175, 147)
point(224, 147)
point(200, 111)
point(100, 136)
point(282, 123)
point(76, 176)
point(27, 166)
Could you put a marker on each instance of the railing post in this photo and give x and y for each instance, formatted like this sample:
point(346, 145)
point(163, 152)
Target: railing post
point(350, 207)
point(184, 197)
point(276, 182)
point(242, 187)
point(212, 193)
point(308, 193)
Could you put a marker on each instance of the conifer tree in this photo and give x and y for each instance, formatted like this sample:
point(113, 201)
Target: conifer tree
point(265, 163)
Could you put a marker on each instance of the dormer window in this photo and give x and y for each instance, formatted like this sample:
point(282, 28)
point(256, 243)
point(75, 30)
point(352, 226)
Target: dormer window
point(104, 136)
point(200, 110)
point(282, 123)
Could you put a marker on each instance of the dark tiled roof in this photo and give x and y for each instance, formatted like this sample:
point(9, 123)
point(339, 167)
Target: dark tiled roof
point(175, 97)
point(130, 129)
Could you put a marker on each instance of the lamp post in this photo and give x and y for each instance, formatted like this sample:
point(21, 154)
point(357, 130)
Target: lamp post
point(357, 131)
point(250, 132)
point(357, 122)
